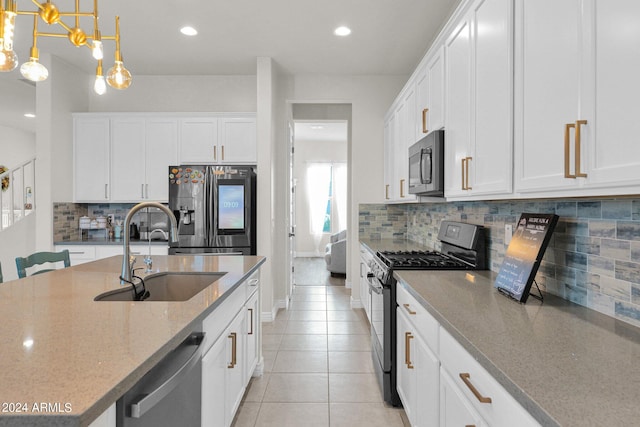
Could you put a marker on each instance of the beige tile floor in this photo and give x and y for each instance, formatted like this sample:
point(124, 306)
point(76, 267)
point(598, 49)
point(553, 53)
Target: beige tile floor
point(318, 367)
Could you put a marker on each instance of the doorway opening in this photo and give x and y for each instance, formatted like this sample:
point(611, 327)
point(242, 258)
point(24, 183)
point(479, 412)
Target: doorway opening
point(319, 201)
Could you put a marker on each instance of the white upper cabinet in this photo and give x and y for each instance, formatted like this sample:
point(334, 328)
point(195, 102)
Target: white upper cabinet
point(91, 158)
point(128, 152)
point(213, 140)
point(198, 140)
point(479, 101)
point(161, 151)
point(576, 97)
point(237, 140)
point(430, 94)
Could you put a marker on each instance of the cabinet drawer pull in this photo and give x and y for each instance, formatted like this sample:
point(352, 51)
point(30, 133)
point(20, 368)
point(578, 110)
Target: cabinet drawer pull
point(406, 307)
point(466, 378)
point(215, 153)
point(407, 349)
point(254, 282)
point(76, 253)
point(466, 184)
point(386, 192)
point(233, 337)
point(251, 321)
point(223, 152)
point(106, 191)
point(402, 188)
point(142, 191)
point(464, 162)
point(424, 120)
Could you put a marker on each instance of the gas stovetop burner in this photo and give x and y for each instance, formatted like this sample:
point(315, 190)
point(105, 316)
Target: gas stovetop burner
point(419, 260)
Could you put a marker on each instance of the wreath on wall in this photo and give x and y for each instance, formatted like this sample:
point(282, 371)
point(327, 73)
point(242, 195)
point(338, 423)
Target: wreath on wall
point(5, 179)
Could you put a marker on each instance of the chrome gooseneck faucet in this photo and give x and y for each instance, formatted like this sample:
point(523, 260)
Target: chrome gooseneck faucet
point(127, 259)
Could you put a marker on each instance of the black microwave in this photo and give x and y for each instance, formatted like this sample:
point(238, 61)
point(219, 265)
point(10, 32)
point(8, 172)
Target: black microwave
point(426, 165)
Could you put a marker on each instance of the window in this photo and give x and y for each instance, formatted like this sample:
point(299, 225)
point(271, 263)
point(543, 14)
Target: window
point(327, 197)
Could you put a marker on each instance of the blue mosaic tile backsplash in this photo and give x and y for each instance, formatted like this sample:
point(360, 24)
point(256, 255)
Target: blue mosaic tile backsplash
point(593, 258)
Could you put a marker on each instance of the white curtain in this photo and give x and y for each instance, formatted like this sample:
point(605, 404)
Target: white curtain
point(340, 194)
point(318, 182)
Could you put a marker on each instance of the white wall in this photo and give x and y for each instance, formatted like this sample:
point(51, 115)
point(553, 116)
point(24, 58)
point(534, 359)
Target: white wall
point(16, 146)
point(307, 152)
point(181, 94)
point(64, 92)
point(370, 97)
point(17, 240)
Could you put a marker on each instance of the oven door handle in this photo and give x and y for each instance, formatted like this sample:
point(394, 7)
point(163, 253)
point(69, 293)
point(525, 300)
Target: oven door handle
point(374, 288)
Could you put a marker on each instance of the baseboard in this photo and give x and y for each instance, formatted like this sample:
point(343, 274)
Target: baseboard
point(267, 316)
point(356, 303)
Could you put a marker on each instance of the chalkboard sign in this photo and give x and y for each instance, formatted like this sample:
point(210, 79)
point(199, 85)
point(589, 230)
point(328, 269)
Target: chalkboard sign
point(523, 256)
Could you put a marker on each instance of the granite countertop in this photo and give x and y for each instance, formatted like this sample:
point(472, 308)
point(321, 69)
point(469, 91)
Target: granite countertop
point(566, 364)
point(77, 355)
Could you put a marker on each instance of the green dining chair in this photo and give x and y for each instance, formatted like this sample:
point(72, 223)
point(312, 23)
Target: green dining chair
point(40, 258)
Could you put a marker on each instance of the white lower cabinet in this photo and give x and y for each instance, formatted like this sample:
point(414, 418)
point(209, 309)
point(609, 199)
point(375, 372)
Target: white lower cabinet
point(232, 353)
point(418, 374)
point(477, 388)
point(365, 270)
point(455, 410)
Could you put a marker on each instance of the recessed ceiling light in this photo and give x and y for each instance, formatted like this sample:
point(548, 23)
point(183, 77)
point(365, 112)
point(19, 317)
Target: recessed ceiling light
point(29, 115)
point(317, 127)
point(188, 31)
point(342, 31)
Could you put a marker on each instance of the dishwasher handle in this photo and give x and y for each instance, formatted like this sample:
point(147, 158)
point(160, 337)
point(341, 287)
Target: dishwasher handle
point(149, 400)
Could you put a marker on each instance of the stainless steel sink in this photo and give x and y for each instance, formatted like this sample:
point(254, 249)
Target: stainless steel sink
point(165, 287)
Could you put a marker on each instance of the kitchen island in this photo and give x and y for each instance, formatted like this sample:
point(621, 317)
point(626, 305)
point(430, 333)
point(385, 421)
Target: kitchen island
point(67, 358)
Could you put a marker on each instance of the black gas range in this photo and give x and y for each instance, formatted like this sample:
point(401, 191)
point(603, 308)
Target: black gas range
point(462, 248)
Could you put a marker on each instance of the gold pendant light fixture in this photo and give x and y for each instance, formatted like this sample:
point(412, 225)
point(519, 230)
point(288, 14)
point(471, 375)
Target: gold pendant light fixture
point(117, 77)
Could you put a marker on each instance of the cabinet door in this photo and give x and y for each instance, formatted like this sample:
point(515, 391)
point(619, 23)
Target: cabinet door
point(214, 370)
point(454, 409)
point(406, 120)
point(237, 140)
point(458, 108)
point(490, 166)
point(161, 151)
point(547, 90)
point(389, 159)
point(128, 159)
point(235, 376)
point(79, 254)
point(91, 159)
point(430, 95)
point(198, 141)
point(252, 313)
point(406, 374)
point(611, 101)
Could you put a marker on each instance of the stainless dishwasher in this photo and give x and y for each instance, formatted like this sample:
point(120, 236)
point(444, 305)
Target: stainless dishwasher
point(170, 393)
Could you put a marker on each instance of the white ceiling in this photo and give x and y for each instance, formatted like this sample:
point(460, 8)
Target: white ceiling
point(389, 36)
point(320, 131)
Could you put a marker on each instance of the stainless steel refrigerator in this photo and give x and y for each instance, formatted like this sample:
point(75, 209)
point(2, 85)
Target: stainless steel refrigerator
point(215, 207)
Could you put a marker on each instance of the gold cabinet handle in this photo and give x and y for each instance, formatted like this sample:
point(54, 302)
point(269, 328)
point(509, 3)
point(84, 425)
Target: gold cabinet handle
point(402, 188)
point(466, 378)
point(386, 191)
point(233, 337)
point(464, 162)
point(406, 307)
point(223, 152)
point(567, 149)
point(578, 150)
point(424, 120)
point(215, 153)
point(251, 321)
point(467, 174)
point(407, 349)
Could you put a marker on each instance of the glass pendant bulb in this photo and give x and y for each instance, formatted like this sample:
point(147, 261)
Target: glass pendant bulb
point(34, 71)
point(100, 85)
point(96, 50)
point(8, 60)
point(118, 77)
